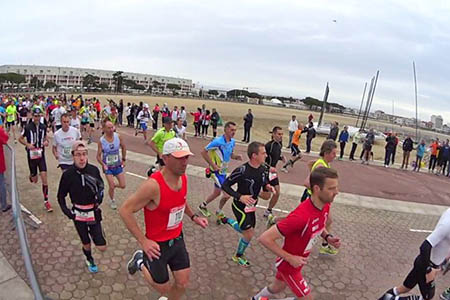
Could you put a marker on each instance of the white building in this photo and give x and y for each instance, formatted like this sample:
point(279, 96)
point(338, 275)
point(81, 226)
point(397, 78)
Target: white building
point(68, 77)
point(437, 121)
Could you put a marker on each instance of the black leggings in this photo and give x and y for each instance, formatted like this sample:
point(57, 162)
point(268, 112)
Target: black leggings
point(205, 129)
point(197, 128)
point(432, 163)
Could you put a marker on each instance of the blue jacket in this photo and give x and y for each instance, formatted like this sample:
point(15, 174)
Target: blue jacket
point(343, 137)
point(420, 150)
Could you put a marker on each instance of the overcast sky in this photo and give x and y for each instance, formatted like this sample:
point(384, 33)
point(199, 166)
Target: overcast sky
point(289, 48)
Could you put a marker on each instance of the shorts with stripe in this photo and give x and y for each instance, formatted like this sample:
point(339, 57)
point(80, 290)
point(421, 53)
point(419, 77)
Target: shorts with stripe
point(219, 179)
point(246, 220)
point(295, 281)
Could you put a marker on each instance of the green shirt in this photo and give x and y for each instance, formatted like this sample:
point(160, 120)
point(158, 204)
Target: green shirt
point(161, 136)
point(11, 112)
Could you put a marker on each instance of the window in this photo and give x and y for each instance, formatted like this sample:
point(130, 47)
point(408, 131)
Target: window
point(41, 71)
point(48, 71)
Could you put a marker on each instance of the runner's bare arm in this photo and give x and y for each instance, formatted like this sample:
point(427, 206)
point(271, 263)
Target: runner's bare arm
point(154, 148)
point(99, 154)
point(203, 222)
point(208, 159)
point(236, 156)
point(146, 194)
point(124, 149)
point(55, 152)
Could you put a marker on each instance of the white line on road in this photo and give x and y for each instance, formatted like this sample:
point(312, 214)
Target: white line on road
point(136, 175)
point(420, 230)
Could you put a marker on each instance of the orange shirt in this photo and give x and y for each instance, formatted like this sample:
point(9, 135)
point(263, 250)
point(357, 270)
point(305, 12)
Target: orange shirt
point(296, 137)
point(434, 148)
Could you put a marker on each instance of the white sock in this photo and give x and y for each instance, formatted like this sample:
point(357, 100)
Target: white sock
point(140, 263)
point(395, 291)
point(264, 293)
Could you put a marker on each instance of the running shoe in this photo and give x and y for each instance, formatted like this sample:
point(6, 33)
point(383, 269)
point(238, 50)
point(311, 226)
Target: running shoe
point(113, 204)
point(285, 170)
point(92, 266)
point(48, 207)
point(6, 208)
point(133, 263)
point(267, 213)
point(204, 211)
point(220, 216)
point(270, 221)
point(328, 250)
point(163, 298)
point(241, 260)
point(445, 295)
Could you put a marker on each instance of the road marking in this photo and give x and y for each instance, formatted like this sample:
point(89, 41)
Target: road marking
point(420, 230)
point(136, 175)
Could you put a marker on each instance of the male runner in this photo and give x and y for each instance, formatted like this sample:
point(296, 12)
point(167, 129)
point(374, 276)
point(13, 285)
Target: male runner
point(273, 150)
point(63, 140)
point(160, 137)
point(250, 178)
point(84, 184)
point(85, 115)
point(11, 118)
point(108, 156)
point(57, 113)
point(434, 253)
point(295, 150)
point(74, 119)
point(143, 117)
point(34, 138)
point(218, 154)
point(163, 199)
point(23, 114)
point(300, 230)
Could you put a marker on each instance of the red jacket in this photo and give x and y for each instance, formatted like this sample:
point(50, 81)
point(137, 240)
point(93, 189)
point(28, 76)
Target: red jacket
point(3, 141)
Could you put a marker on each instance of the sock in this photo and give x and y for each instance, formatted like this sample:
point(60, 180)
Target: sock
point(233, 223)
point(140, 263)
point(264, 293)
point(324, 244)
point(243, 244)
point(204, 204)
point(88, 254)
point(45, 192)
point(394, 291)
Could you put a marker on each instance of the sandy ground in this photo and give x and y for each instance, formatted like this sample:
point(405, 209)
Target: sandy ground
point(265, 118)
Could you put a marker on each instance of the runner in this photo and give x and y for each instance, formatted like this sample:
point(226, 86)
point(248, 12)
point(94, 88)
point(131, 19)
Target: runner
point(23, 114)
point(434, 253)
point(34, 138)
point(160, 137)
point(63, 140)
point(163, 199)
point(218, 154)
point(143, 117)
point(300, 230)
point(57, 113)
point(250, 178)
point(108, 156)
point(75, 120)
point(273, 150)
point(11, 118)
point(295, 151)
point(84, 184)
point(85, 115)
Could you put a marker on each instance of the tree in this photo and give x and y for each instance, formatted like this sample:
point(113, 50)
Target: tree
point(139, 87)
point(103, 86)
point(90, 81)
point(173, 86)
point(13, 78)
point(118, 81)
point(50, 85)
point(213, 92)
point(36, 83)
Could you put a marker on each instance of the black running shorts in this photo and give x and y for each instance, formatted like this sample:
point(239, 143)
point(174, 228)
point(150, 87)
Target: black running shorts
point(35, 164)
point(90, 231)
point(417, 277)
point(9, 124)
point(246, 220)
point(173, 254)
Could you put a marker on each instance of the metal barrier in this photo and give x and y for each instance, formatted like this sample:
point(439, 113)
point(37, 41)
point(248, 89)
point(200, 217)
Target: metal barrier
point(10, 180)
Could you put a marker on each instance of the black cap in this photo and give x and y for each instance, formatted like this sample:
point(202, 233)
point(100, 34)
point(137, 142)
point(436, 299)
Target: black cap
point(36, 110)
point(166, 120)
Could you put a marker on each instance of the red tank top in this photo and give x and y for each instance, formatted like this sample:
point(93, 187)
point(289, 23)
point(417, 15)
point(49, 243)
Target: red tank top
point(165, 222)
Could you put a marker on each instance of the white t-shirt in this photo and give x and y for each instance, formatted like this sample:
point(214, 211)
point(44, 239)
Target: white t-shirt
point(174, 115)
point(75, 122)
point(63, 142)
point(440, 239)
point(143, 116)
point(179, 131)
point(293, 125)
point(182, 115)
point(57, 113)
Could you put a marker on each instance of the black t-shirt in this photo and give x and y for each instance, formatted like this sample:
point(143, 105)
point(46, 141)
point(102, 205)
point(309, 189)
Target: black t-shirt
point(35, 135)
point(250, 181)
point(273, 150)
point(23, 111)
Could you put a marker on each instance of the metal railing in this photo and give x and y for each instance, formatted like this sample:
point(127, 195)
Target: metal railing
point(10, 179)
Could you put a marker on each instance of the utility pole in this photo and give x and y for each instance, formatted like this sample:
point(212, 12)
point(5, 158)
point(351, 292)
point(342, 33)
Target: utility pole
point(415, 93)
point(362, 101)
point(325, 98)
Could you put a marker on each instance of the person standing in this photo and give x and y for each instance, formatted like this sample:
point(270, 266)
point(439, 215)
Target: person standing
point(433, 157)
point(394, 134)
point(108, 156)
point(34, 138)
point(63, 141)
point(183, 116)
point(155, 116)
point(160, 137)
point(128, 114)
point(300, 230)
point(369, 140)
point(334, 130)
point(84, 184)
point(162, 197)
point(4, 206)
point(120, 111)
point(292, 127)
point(445, 156)
point(248, 123)
point(420, 151)
point(310, 134)
point(407, 148)
point(389, 149)
point(357, 139)
point(215, 117)
point(206, 119)
point(174, 114)
point(197, 115)
point(343, 140)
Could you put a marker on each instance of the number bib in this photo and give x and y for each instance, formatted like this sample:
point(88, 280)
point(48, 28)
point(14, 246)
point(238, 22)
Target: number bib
point(175, 217)
point(67, 151)
point(249, 208)
point(84, 216)
point(272, 176)
point(24, 119)
point(112, 159)
point(36, 154)
point(313, 241)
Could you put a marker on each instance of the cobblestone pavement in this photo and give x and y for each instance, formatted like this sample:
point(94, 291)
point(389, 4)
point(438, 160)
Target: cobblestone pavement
point(377, 252)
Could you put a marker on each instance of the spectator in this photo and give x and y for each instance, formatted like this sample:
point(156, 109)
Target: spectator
point(440, 158)
point(357, 139)
point(133, 110)
point(311, 133)
point(369, 140)
point(205, 123)
point(395, 148)
point(389, 149)
point(128, 114)
point(334, 130)
point(310, 118)
point(343, 140)
point(215, 117)
point(182, 116)
point(445, 157)
point(419, 155)
point(155, 116)
point(3, 141)
point(120, 111)
point(174, 114)
point(248, 122)
point(197, 124)
point(433, 157)
point(165, 112)
point(407, 148)
point(293, 126)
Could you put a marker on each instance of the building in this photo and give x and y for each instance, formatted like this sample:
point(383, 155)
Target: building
point(437, 121)
point(69, 78)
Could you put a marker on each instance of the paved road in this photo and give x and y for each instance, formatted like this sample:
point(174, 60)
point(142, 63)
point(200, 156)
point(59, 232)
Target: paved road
point(378, 247)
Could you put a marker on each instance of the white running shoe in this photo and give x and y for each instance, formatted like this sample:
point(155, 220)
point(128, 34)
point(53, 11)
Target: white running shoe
point(113, 204)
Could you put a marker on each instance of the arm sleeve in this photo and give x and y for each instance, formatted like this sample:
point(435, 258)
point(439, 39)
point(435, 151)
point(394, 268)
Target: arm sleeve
point(230, 181)
point(62, 193)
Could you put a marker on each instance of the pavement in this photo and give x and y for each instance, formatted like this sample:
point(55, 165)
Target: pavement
point(380, 237)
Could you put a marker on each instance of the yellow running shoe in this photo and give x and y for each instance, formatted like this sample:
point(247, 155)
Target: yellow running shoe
point(328, 250)
point(241, 260)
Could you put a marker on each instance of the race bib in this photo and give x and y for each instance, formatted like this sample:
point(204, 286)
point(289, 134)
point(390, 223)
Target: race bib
point(175, 217)
point(36, 154)
point(224, 168)
point(249, 208)
point(112, 159)
point(24, 119)
point(84, 216)
point(67, 151)
point(312, 242)
point(272, 176)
